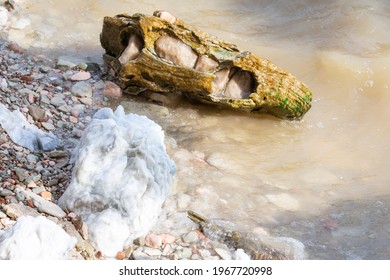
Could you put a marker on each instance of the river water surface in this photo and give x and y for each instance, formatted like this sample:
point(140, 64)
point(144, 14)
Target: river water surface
point(324, 180)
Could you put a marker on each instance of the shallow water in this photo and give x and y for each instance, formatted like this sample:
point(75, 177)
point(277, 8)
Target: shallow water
point(323, 180)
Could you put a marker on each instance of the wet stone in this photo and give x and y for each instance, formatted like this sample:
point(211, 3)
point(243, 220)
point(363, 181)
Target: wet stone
point(190, 237)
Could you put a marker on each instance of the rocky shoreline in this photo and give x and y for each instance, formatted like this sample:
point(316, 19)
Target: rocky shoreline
point(60, 98)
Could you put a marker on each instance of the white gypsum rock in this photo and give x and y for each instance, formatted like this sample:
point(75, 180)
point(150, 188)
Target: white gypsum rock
point(120, 179)
point(35, 238)
point(24, 134)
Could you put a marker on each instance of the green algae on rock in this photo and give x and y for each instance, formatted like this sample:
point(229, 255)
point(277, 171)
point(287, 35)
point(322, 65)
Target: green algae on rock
point(163, 54)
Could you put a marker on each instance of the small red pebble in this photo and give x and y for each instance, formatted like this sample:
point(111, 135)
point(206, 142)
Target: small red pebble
point(112, 90)
point(167, 238)
point(30, 203)
point(329, 224)
point(31, 185)
point(15, 48)
point(200, 234)
point(80, 76)
point(153, 241)
point(120, 255)
point(73, 119)
point(75, 113)
point(11, 181)
point(2, 200)
point(99, 255)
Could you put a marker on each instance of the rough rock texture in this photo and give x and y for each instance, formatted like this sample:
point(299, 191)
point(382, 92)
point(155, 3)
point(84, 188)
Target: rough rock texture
point(163, 54)
point(121, 177)
point(34, 238)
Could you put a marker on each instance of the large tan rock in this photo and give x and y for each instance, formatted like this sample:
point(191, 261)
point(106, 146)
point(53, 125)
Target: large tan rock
point(163, 54)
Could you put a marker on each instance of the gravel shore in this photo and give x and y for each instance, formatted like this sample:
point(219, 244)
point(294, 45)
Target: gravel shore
point(60, 97)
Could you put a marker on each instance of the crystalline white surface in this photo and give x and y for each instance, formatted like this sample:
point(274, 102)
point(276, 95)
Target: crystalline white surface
point(121, 177)
point(25, 134)
point(33, 238)
point(239, 254)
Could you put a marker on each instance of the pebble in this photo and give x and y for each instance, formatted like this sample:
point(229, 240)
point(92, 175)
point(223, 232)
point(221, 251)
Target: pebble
point(44, 206)
point(2, 215)
point(21, 173)
point(31, 184)
point(112, 90)
point(57, 101)
point(167, 238)
point(67, 61)
point(183, 200)
point(120, 255)
point(38, 190)
point(48, 126)
point(5, 192)
point(139, 255)
point(73, 119)
point(82, 89)
point(190, 237)
point(44, 100)
point(45, 69)
point(32, 158)
point(86, 100)
point(36, 112)
point(167, 250)
point(153, 241)
point(80, 76)
point(64, 108)
point(224, 254)
point(15, 48)
point(152, 252)
point(184, 253)
point(16, 210)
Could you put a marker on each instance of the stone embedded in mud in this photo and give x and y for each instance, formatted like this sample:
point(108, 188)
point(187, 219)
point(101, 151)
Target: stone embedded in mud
point(163, 54)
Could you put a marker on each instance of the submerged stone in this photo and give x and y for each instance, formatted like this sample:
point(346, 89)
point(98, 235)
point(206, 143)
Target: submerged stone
point(163, 54)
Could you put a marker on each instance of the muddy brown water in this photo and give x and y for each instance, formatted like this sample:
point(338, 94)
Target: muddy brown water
point(323, 180)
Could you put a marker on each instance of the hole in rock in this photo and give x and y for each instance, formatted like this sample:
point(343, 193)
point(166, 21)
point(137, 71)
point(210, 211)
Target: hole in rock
point(240, 85)
point(133, 49)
